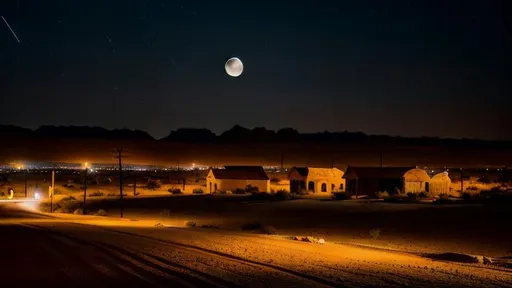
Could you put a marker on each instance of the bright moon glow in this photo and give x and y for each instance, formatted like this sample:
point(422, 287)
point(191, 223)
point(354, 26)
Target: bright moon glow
point(234, 67)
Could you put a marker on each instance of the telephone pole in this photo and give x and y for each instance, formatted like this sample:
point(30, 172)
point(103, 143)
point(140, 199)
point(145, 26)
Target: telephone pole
point(85, 190)
point(26, 172)
point(119, 155)
point(51, 191)
point(134, 183)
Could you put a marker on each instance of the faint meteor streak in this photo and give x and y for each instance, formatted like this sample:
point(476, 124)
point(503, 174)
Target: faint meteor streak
point(9, 26)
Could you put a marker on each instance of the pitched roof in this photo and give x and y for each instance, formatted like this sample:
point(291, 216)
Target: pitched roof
point(241, 173)
point(376, 172)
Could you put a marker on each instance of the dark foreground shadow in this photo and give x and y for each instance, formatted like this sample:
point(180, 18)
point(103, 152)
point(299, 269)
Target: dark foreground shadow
point(453, 257)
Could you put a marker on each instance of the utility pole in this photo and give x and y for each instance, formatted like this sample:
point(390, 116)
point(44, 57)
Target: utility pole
point(282, 160)
point(85, 190)
point(461, 181)
point(51, 191)
point(178, 164)
point(134, 183)
point(26, 172)
point(119, 155)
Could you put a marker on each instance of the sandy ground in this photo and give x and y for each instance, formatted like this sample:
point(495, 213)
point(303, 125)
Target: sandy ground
point(85, 250)
point(414, 228)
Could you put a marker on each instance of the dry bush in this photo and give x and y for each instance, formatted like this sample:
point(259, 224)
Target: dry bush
point(197, 191)
point(190, 224)
point(382, 195)
point(341, 195)
point(375, 233)
point(174, 191)
point(282, 195)
point(101, 212)
point(153, 184)
point(97, 194)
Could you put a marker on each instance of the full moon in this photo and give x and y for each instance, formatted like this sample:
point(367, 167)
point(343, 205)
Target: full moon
point(234, 67)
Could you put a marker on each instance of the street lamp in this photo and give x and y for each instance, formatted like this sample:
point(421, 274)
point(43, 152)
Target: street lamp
point(85, 187)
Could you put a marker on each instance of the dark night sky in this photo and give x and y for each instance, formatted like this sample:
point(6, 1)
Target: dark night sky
point(412, 68)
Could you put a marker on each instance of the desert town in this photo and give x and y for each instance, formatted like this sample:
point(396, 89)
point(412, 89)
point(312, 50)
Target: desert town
point(352, 181)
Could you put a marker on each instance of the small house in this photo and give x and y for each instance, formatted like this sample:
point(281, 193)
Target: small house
point(316, 180)
point(440, 184)
point(232, 178)
point(369, 180)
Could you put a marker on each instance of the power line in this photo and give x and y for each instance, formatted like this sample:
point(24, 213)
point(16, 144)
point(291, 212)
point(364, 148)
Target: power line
point(119, 154)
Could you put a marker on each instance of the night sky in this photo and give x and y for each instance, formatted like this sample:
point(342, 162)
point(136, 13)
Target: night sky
point(411, 68)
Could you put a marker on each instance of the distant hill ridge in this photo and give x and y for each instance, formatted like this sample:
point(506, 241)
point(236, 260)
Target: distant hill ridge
point(236, 134)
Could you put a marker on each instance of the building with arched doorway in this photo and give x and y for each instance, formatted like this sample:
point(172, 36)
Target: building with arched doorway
point(416, 181)
point(440, 184)
point(316, 180)
point(369, 180)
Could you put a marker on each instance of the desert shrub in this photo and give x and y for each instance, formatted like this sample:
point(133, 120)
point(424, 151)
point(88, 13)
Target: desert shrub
point(116, 194)
point(282, 195)
point(68, 185)
point(443, 196)
point(424, 194)
point(68, 205)
point(78, 211)
point(101, 212)
point(466, 196)
point(251, 189)
point(44, 207)
point(221, 192)
point(472, 188)
point(398, 191)
point(382, 195)
point(375, 233)
point(303, 192)
point(153, 184)
point(197, 191)
point(239, 191)
point(341, 195)
point(490, 193)
point(97, 194)
point(190, 224)
point(257, 227)
point(412, 196)
point(174, 191)
point(2, 194)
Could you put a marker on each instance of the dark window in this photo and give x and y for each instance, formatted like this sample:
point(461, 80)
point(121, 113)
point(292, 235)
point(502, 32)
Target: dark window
point(324, 187)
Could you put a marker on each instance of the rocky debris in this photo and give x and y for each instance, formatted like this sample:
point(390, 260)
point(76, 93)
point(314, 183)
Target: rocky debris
point(309, 239)
point(483, 260)
point(190, 224)
point(159, 225)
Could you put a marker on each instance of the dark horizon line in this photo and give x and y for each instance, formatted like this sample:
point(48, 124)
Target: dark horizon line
point(236, 126)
